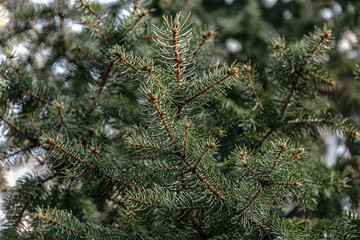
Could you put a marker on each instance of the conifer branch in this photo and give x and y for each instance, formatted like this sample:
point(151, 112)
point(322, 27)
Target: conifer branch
point(238, 129)
point(302, 222)
point(268, 134)
point(306, 121)
point(79, 48)
point(17, 129)
point(231, 72)
point(320, 77)
point(295, 153)
point(259, 224)
point(148, 36)
point(61, 225)
point(161, 114)
point(253, 198)
point(92, 11)
point(186, 138)
point(205, 37)
point(178, 61)
point(165, 207)
point(136, 6)
point(18, 73)
point(109, 109)
point(316, 47)
point(298, 184)
point(220, 132)
point(247, 69)
point(345, 129)
point(210, 67)
point(18, 220)
point(59, 107)
point(120, 56)
point(208, 147)
point(146, 203)
point(282, 149)
point(277, 46)
point(103, 35)
point(142, 14)
point(105, 76)
point(151, 147)
point(199, 227)
point(244, 163)
point(68, 153)
point(32, 122)
point(319, 180)
point(270, 70)
point(165, 170)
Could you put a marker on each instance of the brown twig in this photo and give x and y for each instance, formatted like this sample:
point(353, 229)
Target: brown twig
point(79, 48)
point(142, 14)
point(208, 147)
point(210, 67)
point(21, 214)
point(59, 107)
point(186, 137)
point(282, 149)
point(277, 46)
point(320, 77)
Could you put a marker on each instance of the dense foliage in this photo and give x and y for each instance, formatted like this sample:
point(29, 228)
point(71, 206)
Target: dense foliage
point(139, 128)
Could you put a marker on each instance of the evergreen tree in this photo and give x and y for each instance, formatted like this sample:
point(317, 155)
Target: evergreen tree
point(138, 132)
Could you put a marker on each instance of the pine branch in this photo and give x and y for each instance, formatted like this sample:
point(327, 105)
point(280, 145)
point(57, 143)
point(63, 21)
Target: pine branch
point(220, 132)
point(142, 14)
point(244, 163)
point(18, 220)
point(109, 109)
point(92, 11)
point(210, 67)
point(320, 77)
point(186, 138)
point(103, 35)
point(136, 6)
point(62, 225)
point(105, 76)
point(205, 37)
point(178, 61)
point(277, 46)
point(161, 114)
point(247, 69)
point(282, 149)
point(199, 227)
point(231, 72)
point(79, 48)
point(59, 107)
point(17, 129)
point(208, 147)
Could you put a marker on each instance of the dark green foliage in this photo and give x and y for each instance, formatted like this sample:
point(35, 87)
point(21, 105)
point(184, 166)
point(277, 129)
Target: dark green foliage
point(141, 131)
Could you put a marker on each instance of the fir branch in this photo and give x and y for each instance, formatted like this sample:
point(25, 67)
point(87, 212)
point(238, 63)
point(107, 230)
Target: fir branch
point(277, 46)
point(21, 214)
point(18, 73)
point(244, 163)
point(120, 56)
point(17, 129)
point(59, 107)
point(151, 147)
point(238, 129)
point(253, 198)
point(298, 184)
point(148, 37)
point(208, 147)
point(247, 69)
point(79, 48)
point(320, 77)
point(282, 149)
point(92, 11)
point(316, 47)
point(306, 121)
point(268, 134)
point(186, 138)
point(259, 224)
point(178, 61)
point(210, 67)
point(345, 129)
point(319, 180)
point(231, 72)
point(32, 122)
point(220, 132)
point(302, 222)
point(199, 227)
point(205, 37)
point(165, 170)
point(96, 30)
point(270, 70)
point(161, 114)
point(109, 109)
point(136, 6)
point(142, 14)
point(61, 225)
point(146, 203)
point(105, 76)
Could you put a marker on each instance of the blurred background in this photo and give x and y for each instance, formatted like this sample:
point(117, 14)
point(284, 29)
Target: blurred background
point(243, 30)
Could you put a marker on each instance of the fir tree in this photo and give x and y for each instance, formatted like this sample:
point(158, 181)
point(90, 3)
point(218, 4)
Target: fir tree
point(146, 135)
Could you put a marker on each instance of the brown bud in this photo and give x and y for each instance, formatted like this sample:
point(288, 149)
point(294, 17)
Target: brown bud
point(148, 91)
point(114, 159)
point(124, 170)
point(187, 124)
point(52, 141)
point(212, 145)
point(221, 132)
point(244, 163)
point(92, 149)
point(58, 105)
point(241, 154)
point(298, 184)
point(97, 151)
point(154, 96)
